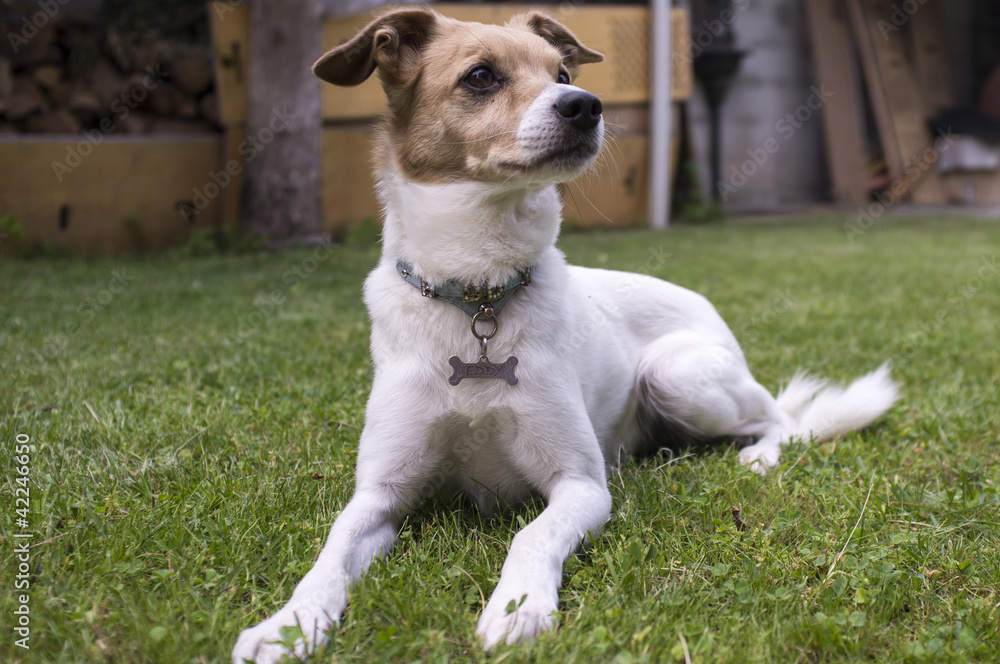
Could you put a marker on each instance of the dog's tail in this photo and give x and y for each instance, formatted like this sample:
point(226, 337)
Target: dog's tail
point(823, 411)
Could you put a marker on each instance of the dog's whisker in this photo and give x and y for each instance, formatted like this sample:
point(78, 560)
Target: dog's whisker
point(479, 140)
point(610, 145)
point(576, 206)
point(597, 209)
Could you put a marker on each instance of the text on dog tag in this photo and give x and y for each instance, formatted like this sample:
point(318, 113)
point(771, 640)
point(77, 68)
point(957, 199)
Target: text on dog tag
point(482, 369)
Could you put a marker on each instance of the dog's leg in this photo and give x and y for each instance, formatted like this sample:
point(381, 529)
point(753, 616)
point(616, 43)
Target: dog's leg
point(394, 462)
point(522, 604)
point(706, 388)
point(362, 530)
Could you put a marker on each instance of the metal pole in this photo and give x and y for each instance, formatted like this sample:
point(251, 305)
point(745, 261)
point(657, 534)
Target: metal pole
point(660, 117)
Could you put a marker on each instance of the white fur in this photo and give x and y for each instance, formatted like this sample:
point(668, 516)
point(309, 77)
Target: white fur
point(595, 349)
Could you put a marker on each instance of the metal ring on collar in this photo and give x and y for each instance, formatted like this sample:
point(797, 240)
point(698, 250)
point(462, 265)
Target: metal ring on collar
point(487, 316)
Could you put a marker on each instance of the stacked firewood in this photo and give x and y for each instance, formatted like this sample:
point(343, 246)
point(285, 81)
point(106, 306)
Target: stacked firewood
point(57, 76)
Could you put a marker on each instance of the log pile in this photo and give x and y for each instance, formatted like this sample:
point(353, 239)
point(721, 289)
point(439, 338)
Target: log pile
point(58, 77)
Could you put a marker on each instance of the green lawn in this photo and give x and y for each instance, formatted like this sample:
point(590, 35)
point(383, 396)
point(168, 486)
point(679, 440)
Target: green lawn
point(194, 422)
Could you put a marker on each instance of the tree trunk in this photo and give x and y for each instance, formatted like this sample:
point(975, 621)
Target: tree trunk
point(280, 200)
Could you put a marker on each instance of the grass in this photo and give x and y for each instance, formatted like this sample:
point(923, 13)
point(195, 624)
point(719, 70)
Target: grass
point(194, 424)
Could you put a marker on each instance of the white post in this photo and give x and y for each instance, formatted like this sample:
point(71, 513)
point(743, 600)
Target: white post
point(659, 115)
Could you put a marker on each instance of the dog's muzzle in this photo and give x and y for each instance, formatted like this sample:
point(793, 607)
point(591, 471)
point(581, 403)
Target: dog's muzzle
point(562, 131)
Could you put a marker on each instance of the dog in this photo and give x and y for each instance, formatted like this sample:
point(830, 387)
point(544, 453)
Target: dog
point(576, 367)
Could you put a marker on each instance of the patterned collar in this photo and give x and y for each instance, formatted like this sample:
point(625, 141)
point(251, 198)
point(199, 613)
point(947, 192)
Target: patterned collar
point(469, 298)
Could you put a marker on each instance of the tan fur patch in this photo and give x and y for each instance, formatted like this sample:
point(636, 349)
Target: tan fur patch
point(440, 129)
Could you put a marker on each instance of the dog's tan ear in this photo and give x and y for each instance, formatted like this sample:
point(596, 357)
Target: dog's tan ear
point(557, 34)
point(392, 42)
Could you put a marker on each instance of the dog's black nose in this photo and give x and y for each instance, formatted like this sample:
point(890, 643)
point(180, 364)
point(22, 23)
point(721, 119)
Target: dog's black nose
point(580, 108)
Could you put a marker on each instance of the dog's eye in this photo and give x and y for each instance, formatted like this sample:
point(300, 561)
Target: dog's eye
point(563, 77)
point(480, 78)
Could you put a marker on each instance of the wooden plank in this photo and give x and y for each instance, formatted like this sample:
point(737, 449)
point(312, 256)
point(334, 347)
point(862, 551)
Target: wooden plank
point(621, 33)
point(873, 80)
point(681, 62)
point(230, 26)
point(898, 105)
point(120, 195)
point(842, 115)
point(348, 180)
point(930, 59)
point(614, 194)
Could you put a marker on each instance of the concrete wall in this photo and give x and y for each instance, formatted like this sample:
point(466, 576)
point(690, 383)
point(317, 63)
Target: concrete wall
point(767, 112)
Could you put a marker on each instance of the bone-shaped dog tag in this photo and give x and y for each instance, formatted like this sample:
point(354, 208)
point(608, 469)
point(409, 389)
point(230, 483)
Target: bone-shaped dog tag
point(482, 369)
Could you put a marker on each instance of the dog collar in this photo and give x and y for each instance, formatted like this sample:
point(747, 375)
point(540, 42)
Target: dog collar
point(468, 298)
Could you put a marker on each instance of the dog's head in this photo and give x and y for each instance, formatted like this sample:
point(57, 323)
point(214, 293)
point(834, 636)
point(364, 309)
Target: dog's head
point(469, 101)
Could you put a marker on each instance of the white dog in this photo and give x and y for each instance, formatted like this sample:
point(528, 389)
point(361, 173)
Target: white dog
point(564, 369)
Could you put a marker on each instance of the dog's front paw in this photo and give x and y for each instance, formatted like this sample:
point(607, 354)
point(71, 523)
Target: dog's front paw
point(761, 457)
point(520, 619)
point(269, 641)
